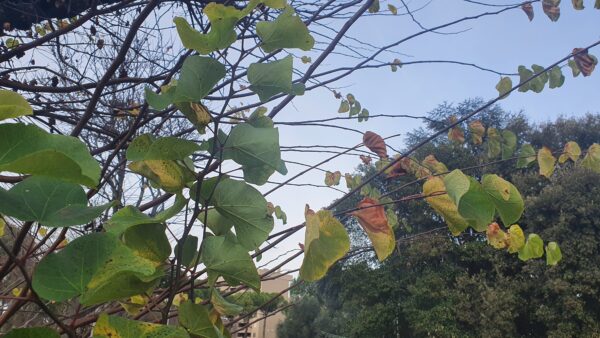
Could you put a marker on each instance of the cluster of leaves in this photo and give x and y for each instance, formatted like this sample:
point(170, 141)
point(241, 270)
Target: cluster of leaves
point(463, 201)
point(353, 107)
point(461, 287)
point(581, 63)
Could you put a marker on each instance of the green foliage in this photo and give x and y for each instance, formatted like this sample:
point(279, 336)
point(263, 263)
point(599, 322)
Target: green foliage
point(196, 319)
point(504, 86)
point(505, 196)
point(96, 266)
point(256, 148)
point(272, 78)
point(34, 332)
point(223, 306)
point(188, 253)
point(126, 262)
point(199, 75)
point(526, 156)
point(49, 201)
point(287, 31)
point(114, 326)
point(471, 200)
point(146, 147)
point(13, 105)
point(27, 149)
point(240, 205)
point(125, 218)
point(148, 241)
point(223, 256)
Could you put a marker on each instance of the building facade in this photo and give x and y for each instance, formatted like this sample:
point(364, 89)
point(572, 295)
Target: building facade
point(268, 328)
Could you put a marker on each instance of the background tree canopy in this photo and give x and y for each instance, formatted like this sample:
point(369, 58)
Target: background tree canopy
point(440, 286)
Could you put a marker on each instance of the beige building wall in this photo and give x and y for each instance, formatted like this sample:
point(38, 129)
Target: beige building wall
point(269, 329)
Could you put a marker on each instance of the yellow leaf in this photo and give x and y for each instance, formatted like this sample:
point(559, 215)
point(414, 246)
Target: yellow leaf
point(2, 226)
point(326, 241)
point(477, 131)
point(202, 115)
point(433, 164)
point(180, 297)
point(437, 198)
point(42, 232)
point(546, 162)
point(16, 292)
point(592, 158)
point(496, 237)
point(571, 151)
point(515, 238)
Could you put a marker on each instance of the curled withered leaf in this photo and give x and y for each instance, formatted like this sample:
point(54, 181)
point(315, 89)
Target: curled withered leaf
point(400, 168)
point(585, 62)
point(366, 160)
point(375, 143)
point(496, 236)
point(528, 9)
point(477, 131)
point(433, 164)
point(551, 9)
point(372, 218)
point(456, 133)
point(332, 178)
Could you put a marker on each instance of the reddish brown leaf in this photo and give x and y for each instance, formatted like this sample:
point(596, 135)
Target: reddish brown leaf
point(372, 218)
point(477, 131)
point(528, 9)
point(400, 168)
point(455, 133)
point(585, 62)
point(375, 143)
point(551, 9)
point(374, 221)
point(365, 159)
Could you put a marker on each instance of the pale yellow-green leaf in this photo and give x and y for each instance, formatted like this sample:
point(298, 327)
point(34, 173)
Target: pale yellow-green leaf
point(572, 151)
point(13, 105)
point(393, 9)
point(119, 327)
point(326, 241)
point(504, 86)
point(533, 248)
point(546, 162)
point(437, 198)
point(553, 253)
point(515, 238)
point(592, 158)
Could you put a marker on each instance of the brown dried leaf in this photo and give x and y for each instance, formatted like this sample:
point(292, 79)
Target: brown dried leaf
point(366, 160)
point(375, 143)
point(585, 62)
point(551, 9)
point(528, 9)
point(374, 221)
point(477, 131)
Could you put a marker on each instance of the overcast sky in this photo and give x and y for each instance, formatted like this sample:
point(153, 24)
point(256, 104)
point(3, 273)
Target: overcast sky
point(501, 42)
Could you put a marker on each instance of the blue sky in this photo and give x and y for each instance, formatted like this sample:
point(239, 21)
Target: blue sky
point(501, 42)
